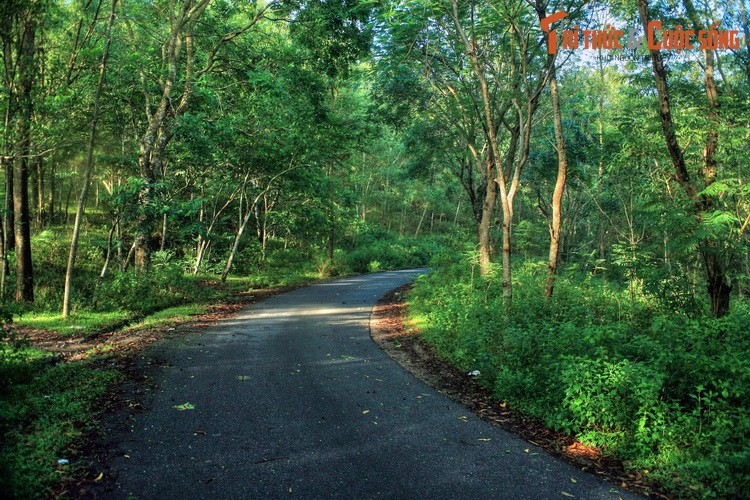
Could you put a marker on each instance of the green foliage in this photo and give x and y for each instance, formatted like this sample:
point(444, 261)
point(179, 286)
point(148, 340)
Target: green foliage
point(142, 292)
point(376, 250)
point(662, 391)
point(44, 408)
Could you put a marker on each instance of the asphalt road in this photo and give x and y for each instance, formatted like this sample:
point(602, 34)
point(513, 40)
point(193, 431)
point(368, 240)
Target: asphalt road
point(291, 398)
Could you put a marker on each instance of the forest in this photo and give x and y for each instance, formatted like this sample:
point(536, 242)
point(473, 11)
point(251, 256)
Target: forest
point(573, 173)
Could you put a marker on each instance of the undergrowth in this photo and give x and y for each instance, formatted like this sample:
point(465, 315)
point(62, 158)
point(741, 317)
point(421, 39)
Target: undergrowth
point(46, 405)
point(665, 393)
point(45, 409)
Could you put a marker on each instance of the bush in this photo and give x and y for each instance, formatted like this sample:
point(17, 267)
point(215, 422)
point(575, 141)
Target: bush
point(380, 250)
point(142, 292)
point(614, 366)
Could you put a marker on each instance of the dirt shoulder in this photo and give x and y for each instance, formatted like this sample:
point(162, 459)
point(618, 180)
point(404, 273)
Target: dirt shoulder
point(404, 345)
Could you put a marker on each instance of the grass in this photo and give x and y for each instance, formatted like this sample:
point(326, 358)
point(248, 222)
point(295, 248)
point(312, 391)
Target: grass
point(45, 409)
point(170, 316)
point(84, 322)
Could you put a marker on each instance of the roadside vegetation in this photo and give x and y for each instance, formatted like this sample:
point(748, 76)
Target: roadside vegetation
point(667, 392)
point(49, 405)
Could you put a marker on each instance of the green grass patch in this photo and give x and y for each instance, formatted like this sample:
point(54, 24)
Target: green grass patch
point(44, 409)
point(80, 323)
point(170, 316)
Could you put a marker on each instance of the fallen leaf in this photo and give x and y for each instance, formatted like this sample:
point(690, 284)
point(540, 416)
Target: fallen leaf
point(485, 439)
point(565, 493)
point(572, 479)
point(242, 377)
point(526, 450)
point(185, 406)
point(365, 412)
point(99, 477)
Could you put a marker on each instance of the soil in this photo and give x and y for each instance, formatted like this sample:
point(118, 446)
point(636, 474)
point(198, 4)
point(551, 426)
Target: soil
point(403, 343)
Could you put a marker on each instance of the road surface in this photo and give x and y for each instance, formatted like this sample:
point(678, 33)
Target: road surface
point(291, 398)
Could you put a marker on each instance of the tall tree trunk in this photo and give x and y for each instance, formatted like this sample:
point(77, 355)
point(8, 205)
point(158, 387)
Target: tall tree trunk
point(153, 143)
point(52, 186)
point(34, 191)
point(163, 240)
point(89, 168)
point(243, 223)
point(108, 255)
point(24, 266)
point(557, 196)
point(421, 219)
point(718, 284)
point(600, 173)
point(40, 215)
point(8, 145)
point(3, 262)
point(331, 241)
point(9, 222)
point(746, 31)
point(236, 244)
point(484, 228)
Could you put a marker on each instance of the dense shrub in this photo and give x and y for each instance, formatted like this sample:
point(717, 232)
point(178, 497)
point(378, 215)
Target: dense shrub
point(378, 249)
point(662, 391)
point(142, 292)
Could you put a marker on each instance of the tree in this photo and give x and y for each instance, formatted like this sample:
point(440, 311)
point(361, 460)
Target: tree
point(88, 169)
point(718, 283)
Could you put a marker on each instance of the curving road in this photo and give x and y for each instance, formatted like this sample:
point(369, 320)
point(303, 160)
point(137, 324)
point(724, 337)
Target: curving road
point(292, 398)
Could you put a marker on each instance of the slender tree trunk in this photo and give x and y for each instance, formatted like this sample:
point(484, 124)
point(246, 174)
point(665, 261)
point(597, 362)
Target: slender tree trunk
point(9, 222)
point(108, 255)
point(3, 263)
point(331, 241)
point(202, 245)
point(241, 228)
point(600, 174)
point(88, 170)
point(163, 240)
point(718, 284)
point(236, 244)
point(7, 160)
point(421, 219)
point(484, 227)
point(126, 262)
point(557, 196)
point(52, 185)
point(746, 31)
point(40, 215)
